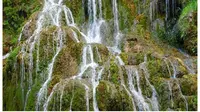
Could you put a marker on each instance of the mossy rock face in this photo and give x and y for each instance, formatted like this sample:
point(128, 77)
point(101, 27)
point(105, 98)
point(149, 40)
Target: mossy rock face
point(114, 73)
point(145, 87)
point(66, 65)
point(189, 84)
point(11, 86)
point(163, 92)
point(179, 101)
point(12, 93)
point(31, 99)
point(127, 11)
point(30, 26)
point(112, 97)
point(78, 11)
point(74, 95)
point(47, 46)
point(101, 53)
point(157, 68)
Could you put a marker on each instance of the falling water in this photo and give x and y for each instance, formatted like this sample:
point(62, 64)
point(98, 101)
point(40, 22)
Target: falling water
point(120, 60)
point(100, 9)
point(174, 69)
point(93, 34)
point(138, 97)
point(20, 36)
point(43, 91)
point(129, 94)
point(165, 60)
point(185, 100)
point(153, 100)
point(46, 104)
point(51, 10)
point(6, 56)
point(87, 97)
point(167, 9)
point(117, 34)
point(170, 94)
point(70, 108)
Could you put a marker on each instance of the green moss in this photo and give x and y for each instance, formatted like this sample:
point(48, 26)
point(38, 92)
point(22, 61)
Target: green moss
point(126, 11)
point(187, 24)
point(73, 91)
point(157, 68)
point(124, 57)
point(12, 93)
point(31, 100)
point(15, 12)
point(77, 9)
point(162, 90)
point(189, 84)
point(111, 97)
point(9, 69)
point(107, 9)
point(101, 53)
point(114, 72)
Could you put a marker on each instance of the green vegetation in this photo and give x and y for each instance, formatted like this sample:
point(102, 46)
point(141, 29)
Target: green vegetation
point(188, 27)
point(140, 40)
point(15, 15)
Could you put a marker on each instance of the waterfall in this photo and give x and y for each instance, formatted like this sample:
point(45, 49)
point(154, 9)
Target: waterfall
point(70, 108)
point(185, 100)
point(170, 94)
point(93, 34)
point(50, 97)
point(49, 16)
point(167, 9)
point(177, 83)
point(174, 69)
point(137, 94)
point(43, 91)
point(100, 9)
point(87, 97)
point(6, 56)
point(153, 100)
point(117, 34)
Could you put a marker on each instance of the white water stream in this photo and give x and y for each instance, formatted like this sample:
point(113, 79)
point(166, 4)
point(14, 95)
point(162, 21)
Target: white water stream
point(51, 16)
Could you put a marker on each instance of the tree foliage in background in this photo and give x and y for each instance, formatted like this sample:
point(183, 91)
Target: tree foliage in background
point(15, 14)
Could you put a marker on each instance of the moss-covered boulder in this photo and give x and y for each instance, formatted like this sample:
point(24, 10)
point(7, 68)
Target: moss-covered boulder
point(66, 64)
point(70, 94)
point(188, 84)
point(112, 97)
point(101, 53)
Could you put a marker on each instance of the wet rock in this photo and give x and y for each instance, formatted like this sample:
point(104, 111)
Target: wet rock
point(30, 26)
point(189, 84)
point(73, 96)
point(112, 97)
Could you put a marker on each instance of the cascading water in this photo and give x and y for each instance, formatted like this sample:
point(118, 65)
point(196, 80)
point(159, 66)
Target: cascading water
point(153, 100)
point(177, 83)
point(90, 69)
point(43, 91)
point(170, 94)
point(51, 10)
point(137, 94)
point(167, 10)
